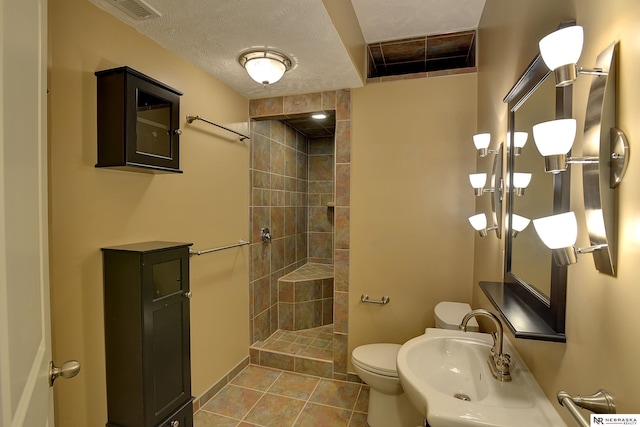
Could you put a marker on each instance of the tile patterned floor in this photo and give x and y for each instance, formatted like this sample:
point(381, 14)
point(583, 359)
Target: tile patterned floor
point(267, 397)
point(315, 343)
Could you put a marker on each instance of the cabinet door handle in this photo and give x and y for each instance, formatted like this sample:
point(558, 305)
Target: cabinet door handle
point(177, 132)
point(175, 423)
point(188, 294)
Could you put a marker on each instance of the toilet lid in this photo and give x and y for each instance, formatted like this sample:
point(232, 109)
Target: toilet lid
point(378, 358)
point(452, 313)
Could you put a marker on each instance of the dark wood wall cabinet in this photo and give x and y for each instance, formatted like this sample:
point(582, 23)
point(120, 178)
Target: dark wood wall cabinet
point(138, 122)
point(146, 321)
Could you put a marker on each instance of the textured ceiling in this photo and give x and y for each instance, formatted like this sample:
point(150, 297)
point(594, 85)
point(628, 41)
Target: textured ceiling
point(211, 35)
point(383, 20)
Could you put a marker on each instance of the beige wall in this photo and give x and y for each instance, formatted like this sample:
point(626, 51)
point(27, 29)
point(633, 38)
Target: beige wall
point(91, 208)
point(410, 239)
point(602, 346)
point(346, 22)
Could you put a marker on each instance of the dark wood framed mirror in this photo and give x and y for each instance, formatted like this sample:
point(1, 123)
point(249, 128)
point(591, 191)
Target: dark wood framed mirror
point(532, 297)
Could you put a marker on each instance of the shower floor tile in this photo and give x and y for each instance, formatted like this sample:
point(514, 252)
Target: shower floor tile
point(316, 343)
point(266, 397)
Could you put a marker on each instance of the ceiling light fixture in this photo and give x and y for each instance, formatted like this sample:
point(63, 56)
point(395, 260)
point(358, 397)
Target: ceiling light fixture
point(265, 66)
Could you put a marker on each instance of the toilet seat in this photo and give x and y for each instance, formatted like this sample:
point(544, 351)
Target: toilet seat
point(377, 358)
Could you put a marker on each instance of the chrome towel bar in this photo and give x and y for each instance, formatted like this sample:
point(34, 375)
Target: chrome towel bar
point(191, 118)
point(365, 298)
point(599, 403)
point(206, 251)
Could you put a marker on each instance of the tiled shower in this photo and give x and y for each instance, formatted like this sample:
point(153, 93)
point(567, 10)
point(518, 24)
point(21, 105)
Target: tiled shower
point(300, 191)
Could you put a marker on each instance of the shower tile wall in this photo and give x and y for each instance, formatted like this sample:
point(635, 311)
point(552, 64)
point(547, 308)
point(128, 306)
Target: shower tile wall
point(321, 165)
point(279, 188)
point(340, 101)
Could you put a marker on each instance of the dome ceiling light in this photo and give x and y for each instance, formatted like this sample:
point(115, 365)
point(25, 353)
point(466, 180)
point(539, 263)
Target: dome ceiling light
point(265, 66)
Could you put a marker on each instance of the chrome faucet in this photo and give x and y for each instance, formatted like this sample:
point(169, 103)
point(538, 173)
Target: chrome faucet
point(498, 361)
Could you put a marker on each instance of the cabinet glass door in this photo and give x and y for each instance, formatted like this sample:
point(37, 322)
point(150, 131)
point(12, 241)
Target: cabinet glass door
point(153, 125)
point(167, 278)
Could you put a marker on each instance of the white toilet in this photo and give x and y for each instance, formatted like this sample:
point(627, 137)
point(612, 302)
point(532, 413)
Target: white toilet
point(375, 364)
point(449, 314)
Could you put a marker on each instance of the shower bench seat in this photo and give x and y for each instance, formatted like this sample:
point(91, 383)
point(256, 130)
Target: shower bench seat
point(305, 297)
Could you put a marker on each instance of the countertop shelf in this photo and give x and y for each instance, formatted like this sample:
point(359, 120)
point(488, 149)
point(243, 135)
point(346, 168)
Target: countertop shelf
point(521, 319)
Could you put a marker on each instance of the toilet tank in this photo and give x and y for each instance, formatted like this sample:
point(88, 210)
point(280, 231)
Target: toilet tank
point(448, 315)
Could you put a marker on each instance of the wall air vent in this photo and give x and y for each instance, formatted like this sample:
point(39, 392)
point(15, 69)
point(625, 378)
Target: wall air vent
point(136, 9)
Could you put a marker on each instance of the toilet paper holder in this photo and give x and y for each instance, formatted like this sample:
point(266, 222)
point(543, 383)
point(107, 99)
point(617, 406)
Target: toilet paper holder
point(384, 300)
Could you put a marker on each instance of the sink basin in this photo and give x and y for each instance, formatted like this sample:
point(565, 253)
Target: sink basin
point(445, 375)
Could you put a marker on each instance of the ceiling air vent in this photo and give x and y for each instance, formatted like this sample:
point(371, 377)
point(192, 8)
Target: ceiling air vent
point(137, 9)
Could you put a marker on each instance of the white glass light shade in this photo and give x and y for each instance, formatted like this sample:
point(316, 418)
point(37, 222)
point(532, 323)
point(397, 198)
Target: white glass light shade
point(478, 221)
point(557, 231)
point(478, 180)
point(562, 47)
point(481, 140)
point(265, 70)
point(554, 137)
point(521, 180)
point(520, 139)
point(265, 67)
point(519, 223)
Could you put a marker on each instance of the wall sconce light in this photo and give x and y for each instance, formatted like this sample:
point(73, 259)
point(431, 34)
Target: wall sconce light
point(520, 182)
point(482, 141)
point(559, 233)
point(554, 140)
point(518, 224)
point(561, 51)
point(602, 140)
point(605, 148)
point(519, 141)
point(265, 66)
point(478, 181)
point(479, 223)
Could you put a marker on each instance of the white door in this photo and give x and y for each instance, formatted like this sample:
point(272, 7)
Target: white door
point(25, 342)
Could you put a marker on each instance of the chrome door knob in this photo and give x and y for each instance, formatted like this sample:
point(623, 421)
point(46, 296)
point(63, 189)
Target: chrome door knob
point(69, 369)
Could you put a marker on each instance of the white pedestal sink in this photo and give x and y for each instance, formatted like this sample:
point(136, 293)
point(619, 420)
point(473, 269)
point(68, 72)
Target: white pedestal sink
point(445, 375)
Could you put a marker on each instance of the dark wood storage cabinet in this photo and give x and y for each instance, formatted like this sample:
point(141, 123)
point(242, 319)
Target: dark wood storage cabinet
point(146, 317)
point(138, 121)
